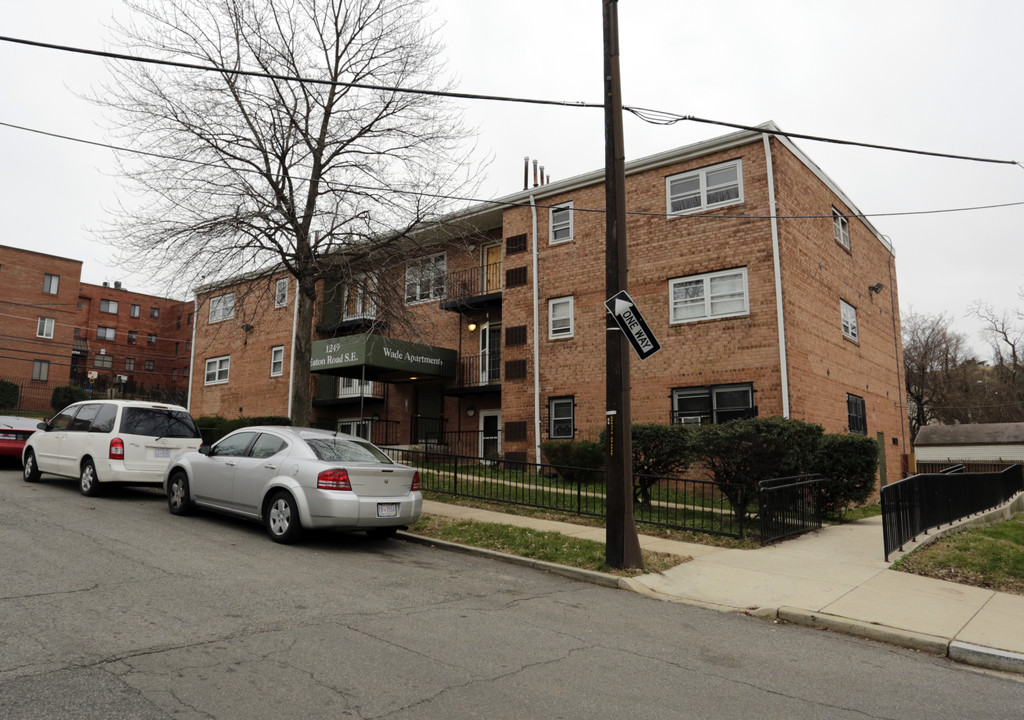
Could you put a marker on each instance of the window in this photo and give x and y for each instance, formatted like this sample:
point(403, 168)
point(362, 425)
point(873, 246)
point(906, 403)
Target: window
point(151, 339)
point(108, 306)
point(561, 223)
point(709, 187)
point(51, 283)
point(174, 375)
point(154, 312)
point(177, 347)
point(857, 414)
point(560, 323)
point(712, 295)
point(217, 370)
point(712, 404)
point(134, 310)
point(45, 327)
point(133, 337)
point(189, 322)
point(83, 419)
point(105, 333)
point(424, 279)
point(150, 365)
point(561, 422)
point(129, 364)
point(849, 316)
point(277, 361)
point(103, 361)
point(188, 346)
point(41, 370)
point(357, 299)
point(222, 307)
point(841, 228)
point(281, 293)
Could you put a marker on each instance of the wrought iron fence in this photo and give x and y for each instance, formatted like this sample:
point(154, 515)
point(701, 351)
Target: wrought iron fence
point(972, 466)
point(35, 396)
point(921, 502)
point(790, 506)
point(472, 282)
point(479, 370)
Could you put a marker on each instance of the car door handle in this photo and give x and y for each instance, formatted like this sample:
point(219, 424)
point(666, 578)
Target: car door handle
point(229, 463)
point(270, 467)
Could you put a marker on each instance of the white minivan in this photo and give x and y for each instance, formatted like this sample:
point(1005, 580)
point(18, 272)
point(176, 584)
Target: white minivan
point(110, 441)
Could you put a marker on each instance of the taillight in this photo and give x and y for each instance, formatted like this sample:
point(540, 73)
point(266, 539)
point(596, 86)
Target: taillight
point(415, 482)
point(333, 480)
point(117, 449)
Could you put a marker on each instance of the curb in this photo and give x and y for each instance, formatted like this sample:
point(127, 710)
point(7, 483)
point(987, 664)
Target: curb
point(904, 638)
point(986, 657)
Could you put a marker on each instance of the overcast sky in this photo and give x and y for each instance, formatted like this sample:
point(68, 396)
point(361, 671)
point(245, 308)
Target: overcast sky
point(932, 75)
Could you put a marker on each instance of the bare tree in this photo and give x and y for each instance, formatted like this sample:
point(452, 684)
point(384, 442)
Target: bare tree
point(249, 172)
point(1005, 334)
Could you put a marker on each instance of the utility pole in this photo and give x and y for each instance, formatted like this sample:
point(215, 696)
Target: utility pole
point(622, 546)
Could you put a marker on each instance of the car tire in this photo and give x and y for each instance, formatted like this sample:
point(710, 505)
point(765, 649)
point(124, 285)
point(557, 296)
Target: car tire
point(179, 501)
point(88, 483)
point(31, 473)
point(282, 518)
point(381, 533)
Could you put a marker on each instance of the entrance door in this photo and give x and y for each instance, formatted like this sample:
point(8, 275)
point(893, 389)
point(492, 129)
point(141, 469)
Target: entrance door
point(427, 420)
point(490, 434)
point(490, 354)
point(492, 268)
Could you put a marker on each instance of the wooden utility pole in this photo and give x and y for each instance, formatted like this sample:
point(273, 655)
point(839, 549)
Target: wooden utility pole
point(622, 546)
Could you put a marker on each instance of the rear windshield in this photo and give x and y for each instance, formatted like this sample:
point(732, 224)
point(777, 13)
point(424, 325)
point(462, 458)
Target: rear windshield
point(157, 422)
point(341, 450)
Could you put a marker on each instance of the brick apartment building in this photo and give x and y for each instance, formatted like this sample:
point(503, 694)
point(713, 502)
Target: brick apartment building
point(57, 330)
point(771, 296)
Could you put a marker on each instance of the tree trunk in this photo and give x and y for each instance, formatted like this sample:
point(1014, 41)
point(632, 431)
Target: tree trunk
point(301, 410)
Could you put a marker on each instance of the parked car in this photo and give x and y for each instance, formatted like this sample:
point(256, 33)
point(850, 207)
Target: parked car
point(110, 441)
point(293, 478)
point(14, 431)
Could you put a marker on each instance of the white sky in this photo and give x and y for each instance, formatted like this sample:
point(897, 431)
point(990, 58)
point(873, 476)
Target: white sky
point(927, 74)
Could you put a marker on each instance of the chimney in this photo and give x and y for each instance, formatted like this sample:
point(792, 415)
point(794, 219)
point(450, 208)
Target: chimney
point(526, 172)
point(535, 172)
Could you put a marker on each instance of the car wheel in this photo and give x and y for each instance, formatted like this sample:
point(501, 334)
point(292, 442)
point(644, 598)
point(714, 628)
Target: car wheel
point(31, 469)
point(282, 518)
point(88, 484)
point(381, 533)
point(179, 502)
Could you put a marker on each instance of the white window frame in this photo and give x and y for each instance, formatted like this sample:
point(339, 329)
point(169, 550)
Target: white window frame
point(222, 307)
point(562, 401)
point(281, 292)
point(44, 328)
point(702, 189)
point(425, 279)
point(277, 361)
point(561, 309)
point(364, 306)
point(134, 310)
point(561, 224)
point(848, 316)
point(41, 370)
point(110, 305)
point(218, 370)
point(709, 297)
point(51, 283)
point(841, 228)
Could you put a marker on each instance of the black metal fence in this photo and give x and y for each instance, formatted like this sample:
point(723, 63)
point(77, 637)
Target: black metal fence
point(921, 502)
point(790, 506)
point(34, 396)
point(971, 466)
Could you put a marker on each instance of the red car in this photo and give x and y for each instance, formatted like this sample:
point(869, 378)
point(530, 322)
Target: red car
point(14, 431)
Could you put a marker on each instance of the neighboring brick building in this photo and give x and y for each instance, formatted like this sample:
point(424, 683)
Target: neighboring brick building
point(768, 291)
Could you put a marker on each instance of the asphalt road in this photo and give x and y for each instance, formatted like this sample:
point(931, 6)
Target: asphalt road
point(112, 608)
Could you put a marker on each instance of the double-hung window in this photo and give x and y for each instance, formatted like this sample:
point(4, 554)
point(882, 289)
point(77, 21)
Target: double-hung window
point(129, 364)
point(222, 307)
point(424, 279)
point(108, 306)
point(134, 310)
point(133, 337)
point(281, 292)
point(217, 370)
point(105, 333)
point(41, 370)
point(561, 420)
point(560, 320)
point(151, 339)
point(154, 312)
point(848, 314)
point(44, 328)
point(711, 295)
point(841, 228)
point(150, 365)
point(51, 283)
point(857, 414)
point(103, 361)
point(561, 223)
point(710, 187)
point(712, 404)
point(277, 361)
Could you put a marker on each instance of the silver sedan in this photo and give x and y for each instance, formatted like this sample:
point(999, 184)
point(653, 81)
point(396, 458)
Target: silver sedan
point(291, 478)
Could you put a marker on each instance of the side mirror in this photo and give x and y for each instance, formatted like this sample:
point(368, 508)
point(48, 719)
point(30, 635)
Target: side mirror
point(42, 426)
point(204, 449)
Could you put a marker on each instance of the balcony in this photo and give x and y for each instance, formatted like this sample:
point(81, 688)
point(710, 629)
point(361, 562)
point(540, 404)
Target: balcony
point(473, 288)
point(346, 310)
point(477, 374)
point(331, 390)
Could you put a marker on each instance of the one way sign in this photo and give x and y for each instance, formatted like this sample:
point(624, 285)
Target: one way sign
point(632, 323)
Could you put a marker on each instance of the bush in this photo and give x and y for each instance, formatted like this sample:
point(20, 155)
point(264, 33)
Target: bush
point(850, 463)
point(575, 461)
point(214, 427)
point(64, 395)
point(658, 451)
point(742, 453)
point(8, 394)
point(242, 422)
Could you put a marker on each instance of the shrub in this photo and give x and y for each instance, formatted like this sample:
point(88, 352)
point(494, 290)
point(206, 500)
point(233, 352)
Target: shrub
point(742, 453)
point(575, 461)
point(8, 394)
point(658, 451)
point(64, 395)
point(242, 422)
point(850, 463)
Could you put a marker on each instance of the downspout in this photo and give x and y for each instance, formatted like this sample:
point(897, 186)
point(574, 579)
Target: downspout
point(780, 314)
point(536, 338)
point(291, 360)
point(192, 354)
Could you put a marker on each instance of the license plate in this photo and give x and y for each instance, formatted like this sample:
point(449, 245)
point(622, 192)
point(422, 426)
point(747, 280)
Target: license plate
point(387, 510)
point(161, 453)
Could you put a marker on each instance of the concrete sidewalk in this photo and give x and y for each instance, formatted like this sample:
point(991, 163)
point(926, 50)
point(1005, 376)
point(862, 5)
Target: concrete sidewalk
point(834, 578)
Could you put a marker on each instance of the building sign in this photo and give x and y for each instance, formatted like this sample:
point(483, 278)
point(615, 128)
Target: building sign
point(380, 358)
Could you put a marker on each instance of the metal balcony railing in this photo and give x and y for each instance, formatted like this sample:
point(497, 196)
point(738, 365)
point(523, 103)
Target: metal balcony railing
point(464, 285)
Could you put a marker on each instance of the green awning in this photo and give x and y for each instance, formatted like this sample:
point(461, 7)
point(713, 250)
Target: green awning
point(375, 357)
